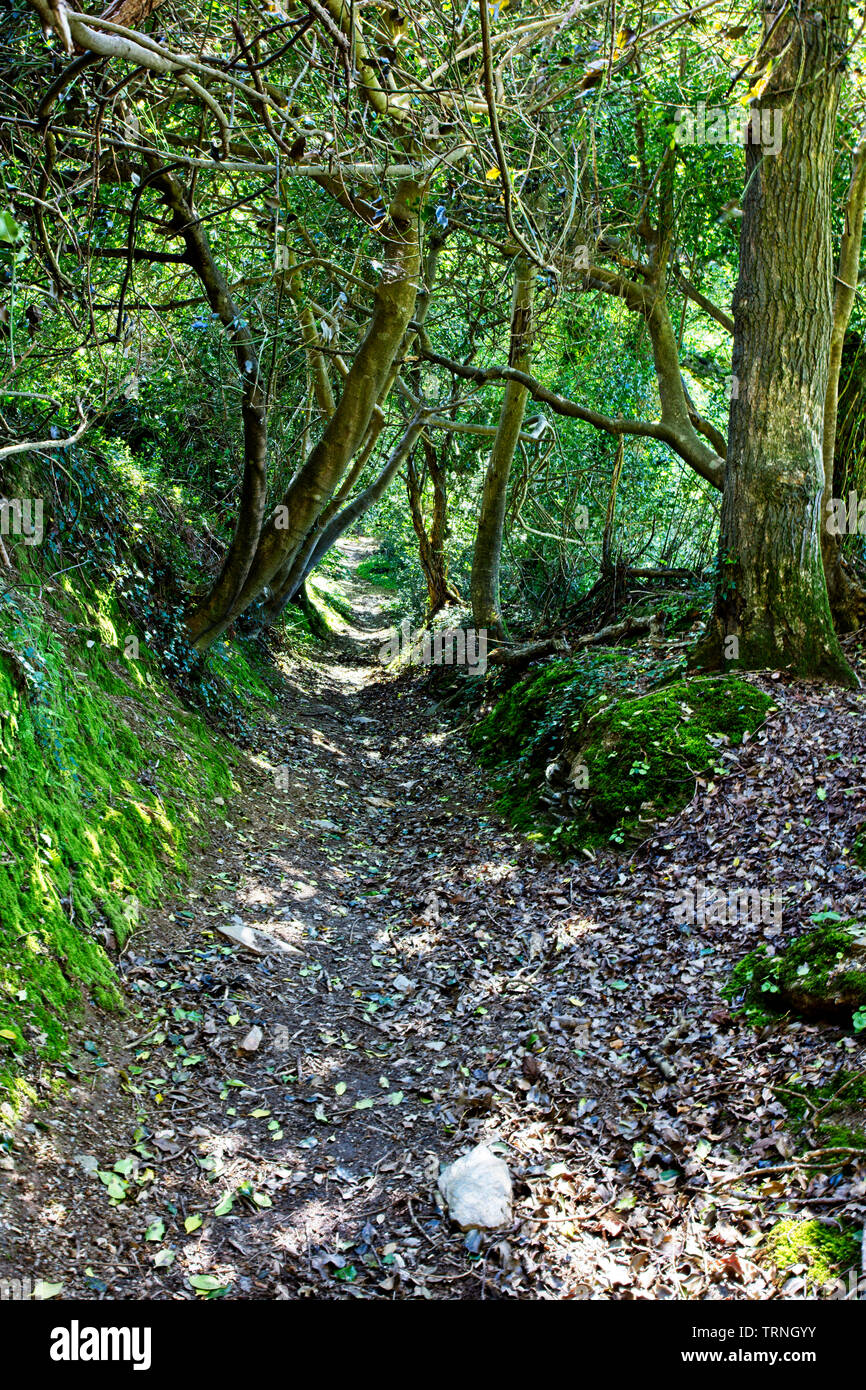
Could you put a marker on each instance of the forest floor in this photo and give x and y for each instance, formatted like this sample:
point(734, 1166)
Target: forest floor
point(269, 1122)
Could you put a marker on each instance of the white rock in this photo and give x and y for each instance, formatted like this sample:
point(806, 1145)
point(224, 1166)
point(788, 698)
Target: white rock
point(403, 984)
point(253, 1040)
point(477, 1190)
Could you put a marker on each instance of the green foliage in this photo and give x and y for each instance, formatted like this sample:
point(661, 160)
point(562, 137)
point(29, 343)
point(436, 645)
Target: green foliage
point(827, 1251)
point(386, 569)
point(105, 781)
point(642, 755)
point(804, 977)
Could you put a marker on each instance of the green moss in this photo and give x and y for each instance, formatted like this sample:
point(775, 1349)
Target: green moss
point(805, 977)
point(827, 1251)
point(525, 728)
point(823, 1112)
point(642, 755)
point(241, 666)
point(860, 846)
point(636, 749)
point(104, 777)
point(527, 721)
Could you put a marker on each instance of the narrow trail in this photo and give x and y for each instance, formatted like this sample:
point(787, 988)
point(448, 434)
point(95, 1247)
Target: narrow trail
point(414, 978)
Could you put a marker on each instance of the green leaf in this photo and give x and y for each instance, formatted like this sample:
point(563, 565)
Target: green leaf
point(156, 1230)
point(192, 1223)
point(42, 1289)
point(10, 232)
point(115, 1185)
point(224, 1205)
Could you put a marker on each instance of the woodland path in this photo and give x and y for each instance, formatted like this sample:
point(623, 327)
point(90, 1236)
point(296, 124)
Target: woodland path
point(430, 980)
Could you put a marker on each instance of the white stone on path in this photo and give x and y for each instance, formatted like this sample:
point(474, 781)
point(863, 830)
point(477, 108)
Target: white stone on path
point(477, 1190)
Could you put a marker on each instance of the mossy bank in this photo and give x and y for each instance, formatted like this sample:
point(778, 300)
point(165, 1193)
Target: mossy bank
point(106, 785)
point(579, 761)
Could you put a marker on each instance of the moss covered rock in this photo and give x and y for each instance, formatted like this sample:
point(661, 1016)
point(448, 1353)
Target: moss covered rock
point(822, 1253)
point(831, 1115)
point(570, 748)
point(821, 974)
point(639, 758)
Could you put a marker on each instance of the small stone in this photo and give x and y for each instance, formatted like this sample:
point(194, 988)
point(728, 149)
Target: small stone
point(403, 984)
point(241, 936)
point(253, 1040)
point(477, 1190)
point(87, 1162)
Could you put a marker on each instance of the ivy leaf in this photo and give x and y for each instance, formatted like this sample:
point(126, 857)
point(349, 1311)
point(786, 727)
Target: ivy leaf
point(10, 232)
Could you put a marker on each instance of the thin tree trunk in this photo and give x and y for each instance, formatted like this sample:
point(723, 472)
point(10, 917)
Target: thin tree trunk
point(254, 484)
point(431, 543)
point(307, 494)
point(847, 599)
point(298, 566)
point(771, 606)
point(484, 582)
point(340, 523)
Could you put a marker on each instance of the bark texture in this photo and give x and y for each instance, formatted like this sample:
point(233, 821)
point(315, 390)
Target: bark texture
point(285, 531)
point(771, 605)
point(431, 538)
point(484, 583)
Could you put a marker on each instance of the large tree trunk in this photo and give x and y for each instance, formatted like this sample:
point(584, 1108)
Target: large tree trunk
point(308, 493)
point(484, 583)
point(771, 606)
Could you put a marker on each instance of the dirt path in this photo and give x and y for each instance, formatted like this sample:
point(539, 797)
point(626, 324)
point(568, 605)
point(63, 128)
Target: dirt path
point(272, 1124)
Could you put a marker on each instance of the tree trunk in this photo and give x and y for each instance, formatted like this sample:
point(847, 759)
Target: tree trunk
point(307, 495)
point(484, 583)
point(431, 543)
point(847, 597)
point(771, 606)
point(340, 523)
point(254, 484)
